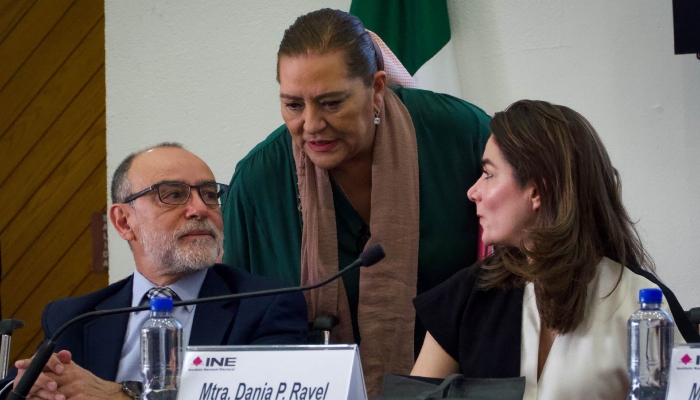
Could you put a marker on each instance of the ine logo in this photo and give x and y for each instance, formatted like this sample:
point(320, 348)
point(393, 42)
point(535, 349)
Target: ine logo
point(686, 359)
point(215, 362)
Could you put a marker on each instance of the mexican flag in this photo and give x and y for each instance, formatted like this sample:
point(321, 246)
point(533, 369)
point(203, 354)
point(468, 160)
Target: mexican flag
point(418, 33)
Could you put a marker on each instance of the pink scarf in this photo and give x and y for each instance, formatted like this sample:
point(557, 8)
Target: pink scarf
point(385, 311)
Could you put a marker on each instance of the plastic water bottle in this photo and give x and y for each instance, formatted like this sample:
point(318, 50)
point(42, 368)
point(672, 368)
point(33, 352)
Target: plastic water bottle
point(650, 334)
point(161, 352)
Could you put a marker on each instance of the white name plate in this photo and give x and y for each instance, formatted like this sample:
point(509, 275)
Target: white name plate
point(272, 373)
point(684, 378)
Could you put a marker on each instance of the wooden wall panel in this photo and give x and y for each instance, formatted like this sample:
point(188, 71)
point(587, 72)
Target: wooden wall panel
point(80, 115)
point(47, 291)
point(48, 105)
point(11, 12)
point(27, 34)
point(53, 195)
point(47, 57)
point(52, 155)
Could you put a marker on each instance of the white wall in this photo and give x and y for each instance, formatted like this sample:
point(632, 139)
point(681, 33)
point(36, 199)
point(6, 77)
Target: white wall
point(203, 73)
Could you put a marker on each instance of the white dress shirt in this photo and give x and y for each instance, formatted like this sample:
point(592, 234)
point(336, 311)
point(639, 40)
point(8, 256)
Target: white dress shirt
point(186, 288)
point(590, 362)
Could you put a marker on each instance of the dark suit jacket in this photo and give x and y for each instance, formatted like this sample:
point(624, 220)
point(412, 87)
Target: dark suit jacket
point(96, 344)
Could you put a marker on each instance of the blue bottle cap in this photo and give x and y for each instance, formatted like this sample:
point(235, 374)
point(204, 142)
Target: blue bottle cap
point(651, 295)
point(161, 304)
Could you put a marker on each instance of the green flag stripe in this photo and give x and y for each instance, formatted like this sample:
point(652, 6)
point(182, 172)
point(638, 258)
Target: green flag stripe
point(415, 30)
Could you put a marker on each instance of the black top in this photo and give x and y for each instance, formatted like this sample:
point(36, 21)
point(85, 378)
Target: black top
point(453, 310)
point(481, 329)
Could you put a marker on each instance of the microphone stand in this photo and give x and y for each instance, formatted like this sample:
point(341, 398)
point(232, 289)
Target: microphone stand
point(368, 257)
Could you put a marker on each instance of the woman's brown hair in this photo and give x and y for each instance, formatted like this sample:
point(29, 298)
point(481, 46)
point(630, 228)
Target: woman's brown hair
point(325, 31)
point(581, 218)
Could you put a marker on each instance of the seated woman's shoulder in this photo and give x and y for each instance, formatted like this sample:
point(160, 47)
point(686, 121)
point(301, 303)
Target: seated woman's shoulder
point(465, 278)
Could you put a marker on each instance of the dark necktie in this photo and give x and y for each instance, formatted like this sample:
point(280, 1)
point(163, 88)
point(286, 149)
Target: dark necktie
point(158, 291)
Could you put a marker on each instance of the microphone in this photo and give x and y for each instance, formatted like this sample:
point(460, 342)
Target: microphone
point(371, 256)
point(368, 258)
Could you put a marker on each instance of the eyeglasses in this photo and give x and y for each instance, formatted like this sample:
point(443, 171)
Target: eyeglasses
point(178, 193)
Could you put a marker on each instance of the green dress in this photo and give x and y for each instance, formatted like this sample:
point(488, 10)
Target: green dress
point(263, 223)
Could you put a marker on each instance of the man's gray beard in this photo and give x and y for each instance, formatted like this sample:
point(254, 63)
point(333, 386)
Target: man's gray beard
point(183, 259)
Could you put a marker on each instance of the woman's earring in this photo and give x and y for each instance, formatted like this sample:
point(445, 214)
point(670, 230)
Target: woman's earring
point(376, 118)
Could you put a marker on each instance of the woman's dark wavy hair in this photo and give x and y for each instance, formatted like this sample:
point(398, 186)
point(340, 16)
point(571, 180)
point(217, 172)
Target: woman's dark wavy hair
point(581, 217)
point(325, 31)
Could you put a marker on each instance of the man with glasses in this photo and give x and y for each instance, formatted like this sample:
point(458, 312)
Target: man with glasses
point(166, 205)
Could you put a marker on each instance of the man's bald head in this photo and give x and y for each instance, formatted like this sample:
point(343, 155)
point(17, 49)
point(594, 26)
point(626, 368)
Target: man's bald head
point(121, 185)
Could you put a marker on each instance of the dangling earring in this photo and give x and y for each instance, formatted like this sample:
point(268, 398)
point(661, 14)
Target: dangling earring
point(376, 118)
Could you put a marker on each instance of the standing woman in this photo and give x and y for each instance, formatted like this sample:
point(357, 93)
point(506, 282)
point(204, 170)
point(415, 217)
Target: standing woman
point(552, 302)
point(357, 164)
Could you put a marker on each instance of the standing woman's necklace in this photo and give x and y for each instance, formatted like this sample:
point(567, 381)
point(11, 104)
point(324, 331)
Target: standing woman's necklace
point(364, 210)
point(337, 182)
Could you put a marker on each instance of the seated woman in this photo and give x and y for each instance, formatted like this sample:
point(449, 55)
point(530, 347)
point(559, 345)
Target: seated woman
point(551, 302)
